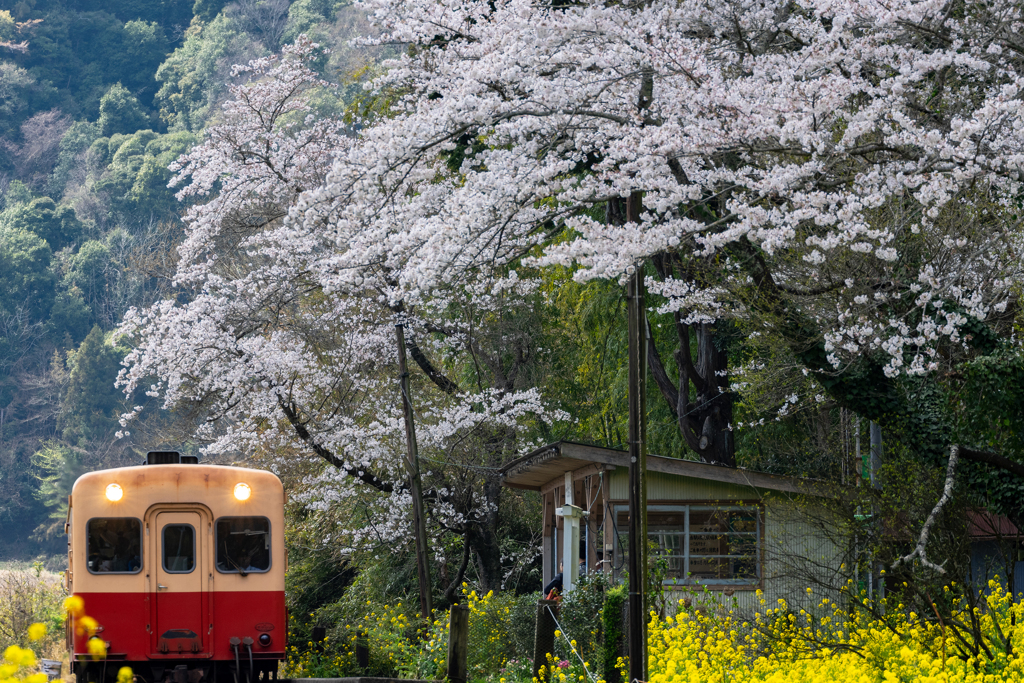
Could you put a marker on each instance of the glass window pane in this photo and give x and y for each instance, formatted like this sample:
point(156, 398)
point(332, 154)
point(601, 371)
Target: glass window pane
point(179, 548)
point(723, 543)
point(113, 545)
point(243, 544)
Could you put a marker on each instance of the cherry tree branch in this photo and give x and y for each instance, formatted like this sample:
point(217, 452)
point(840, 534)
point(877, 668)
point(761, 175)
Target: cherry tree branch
point(449, 593)
point(922, 540)
point(429, 369)
point(365, 476)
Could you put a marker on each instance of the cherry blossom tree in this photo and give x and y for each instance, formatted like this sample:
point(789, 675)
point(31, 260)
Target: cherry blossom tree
point(268, 354)
point(845, 174)
point(842, 172)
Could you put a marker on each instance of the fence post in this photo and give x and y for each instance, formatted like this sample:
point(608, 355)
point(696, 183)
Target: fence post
point(458, 644)
point(544, 635)
point(319, 634)
point(362, 652)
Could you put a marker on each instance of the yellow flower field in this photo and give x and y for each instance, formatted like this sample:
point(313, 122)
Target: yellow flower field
point(839, 644)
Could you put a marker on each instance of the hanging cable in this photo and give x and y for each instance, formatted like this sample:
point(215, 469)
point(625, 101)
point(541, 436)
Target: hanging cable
point(569, 643)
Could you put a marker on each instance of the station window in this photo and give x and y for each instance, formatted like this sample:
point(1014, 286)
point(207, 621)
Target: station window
point(179, 548)
point(701, 544)
point(243, 544)
point(113, 545)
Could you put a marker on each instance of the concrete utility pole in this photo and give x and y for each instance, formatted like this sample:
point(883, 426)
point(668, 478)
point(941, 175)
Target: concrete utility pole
point(636, 308)
point(571, 514)
point(876, 454)
point(415, 486)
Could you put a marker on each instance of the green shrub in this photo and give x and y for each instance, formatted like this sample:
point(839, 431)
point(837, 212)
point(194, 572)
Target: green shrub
point(29, 596)
point(611, 617)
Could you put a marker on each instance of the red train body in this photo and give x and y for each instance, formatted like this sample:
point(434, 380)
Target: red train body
point(182, 567)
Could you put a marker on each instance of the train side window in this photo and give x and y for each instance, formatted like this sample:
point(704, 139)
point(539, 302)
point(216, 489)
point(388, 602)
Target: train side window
point(243, 545)
point(179, 548)
point(113, 545)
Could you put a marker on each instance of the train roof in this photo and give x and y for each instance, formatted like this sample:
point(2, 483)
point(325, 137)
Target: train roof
point(209, 475)
point(144, 485)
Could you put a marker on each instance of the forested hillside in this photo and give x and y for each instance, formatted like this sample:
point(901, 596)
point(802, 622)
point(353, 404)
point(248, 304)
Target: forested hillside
point(97, 99)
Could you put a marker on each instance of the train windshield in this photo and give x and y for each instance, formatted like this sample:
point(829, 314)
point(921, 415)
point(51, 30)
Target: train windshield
point(114, 545)
point(243, 544)
point(179, 548)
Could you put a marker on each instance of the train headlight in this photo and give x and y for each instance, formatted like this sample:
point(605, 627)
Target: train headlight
point(242, 491)
point(114, 492)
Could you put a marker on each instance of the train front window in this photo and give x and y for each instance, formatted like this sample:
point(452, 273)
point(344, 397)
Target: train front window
point(243, 545)
point(113, 545)
point(179, 548)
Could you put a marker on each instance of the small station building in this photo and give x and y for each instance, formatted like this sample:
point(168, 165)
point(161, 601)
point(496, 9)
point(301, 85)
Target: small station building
point(720, 528)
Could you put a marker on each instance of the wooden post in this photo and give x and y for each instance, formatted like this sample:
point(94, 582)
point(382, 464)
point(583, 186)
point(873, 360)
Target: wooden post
point(362, 652)
point(543, 636)
point(415, 486)
point(319, 635)
point(458, 644)
point(637, 633)
point(548, 558)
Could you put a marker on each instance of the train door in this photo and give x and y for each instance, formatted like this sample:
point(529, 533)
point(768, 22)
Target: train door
point(180, 564)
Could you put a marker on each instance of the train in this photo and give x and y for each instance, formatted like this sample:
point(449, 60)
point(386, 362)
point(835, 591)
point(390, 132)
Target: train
point(182, 566)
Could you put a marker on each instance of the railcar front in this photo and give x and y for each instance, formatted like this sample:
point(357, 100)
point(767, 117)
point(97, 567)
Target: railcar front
point(182, 567)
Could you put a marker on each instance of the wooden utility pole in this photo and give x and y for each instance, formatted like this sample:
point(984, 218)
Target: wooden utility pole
point(636, 310)
point(415, 486)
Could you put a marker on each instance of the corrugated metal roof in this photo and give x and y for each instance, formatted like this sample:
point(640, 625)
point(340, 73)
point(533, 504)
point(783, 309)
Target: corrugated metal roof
point(546, 464)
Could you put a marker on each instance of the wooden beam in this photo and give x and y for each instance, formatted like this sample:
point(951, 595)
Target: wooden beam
point(581, 451)
point(581, 473)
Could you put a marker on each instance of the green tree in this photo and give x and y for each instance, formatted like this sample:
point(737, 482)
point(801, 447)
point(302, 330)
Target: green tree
point(16, 86)
point(26, 280)
point(17, 194)
point(192, 77)
point(88, 270)
point(74, 52)
point(120, 112)
point(92, 403)
point(70, 317)
point(57, 467)
point(58, 225)
point(206, 10)
point(8, 27)
point(135, 177)
point(144, 47)
point(73, 146)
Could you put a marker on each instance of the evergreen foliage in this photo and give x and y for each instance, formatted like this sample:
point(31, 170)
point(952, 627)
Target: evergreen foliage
point(120, 112)
point(92, 402)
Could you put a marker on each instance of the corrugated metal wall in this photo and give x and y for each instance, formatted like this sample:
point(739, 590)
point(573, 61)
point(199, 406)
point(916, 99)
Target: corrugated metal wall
point(797, 552)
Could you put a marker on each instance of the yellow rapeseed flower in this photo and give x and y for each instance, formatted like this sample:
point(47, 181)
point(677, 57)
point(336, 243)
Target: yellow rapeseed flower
point(97, 648)
point(86, 625)
point(74, 605)
point(36, 631)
